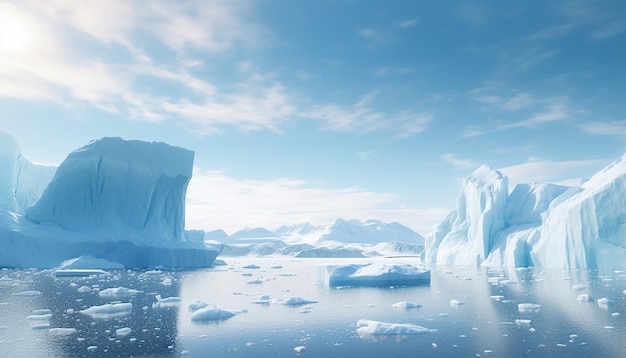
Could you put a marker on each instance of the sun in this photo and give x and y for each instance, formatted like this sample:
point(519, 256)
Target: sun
point(14, 36)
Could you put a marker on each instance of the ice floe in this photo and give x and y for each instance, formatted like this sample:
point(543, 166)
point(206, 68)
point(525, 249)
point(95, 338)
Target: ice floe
point(118, 292)
point(528, 307)
point(213, 313)
point(406, 305)
point(109, 310)
point(374, 275)
point(368, 328)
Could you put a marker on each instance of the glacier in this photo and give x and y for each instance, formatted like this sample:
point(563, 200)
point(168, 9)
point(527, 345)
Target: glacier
point(537, 224)
point(114, 199)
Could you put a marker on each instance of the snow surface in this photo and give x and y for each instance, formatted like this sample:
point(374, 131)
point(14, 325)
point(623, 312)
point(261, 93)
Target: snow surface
point(374, 275)
point(117, 200)
point(544, 225)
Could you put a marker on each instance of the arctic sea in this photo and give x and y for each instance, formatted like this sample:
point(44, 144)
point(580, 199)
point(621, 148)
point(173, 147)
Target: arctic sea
point(475, 312)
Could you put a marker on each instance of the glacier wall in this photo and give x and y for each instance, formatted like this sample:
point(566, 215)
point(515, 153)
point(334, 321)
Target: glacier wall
point(544, 225)
point(123, 201)
point(117, 185)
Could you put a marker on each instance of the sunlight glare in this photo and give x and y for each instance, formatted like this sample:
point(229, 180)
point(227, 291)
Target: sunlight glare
point(13, 36)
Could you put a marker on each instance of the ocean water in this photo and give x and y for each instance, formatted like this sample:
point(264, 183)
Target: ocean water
point(475, 312)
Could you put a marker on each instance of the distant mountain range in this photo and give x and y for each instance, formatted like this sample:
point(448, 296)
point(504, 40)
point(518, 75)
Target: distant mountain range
point(343, 238)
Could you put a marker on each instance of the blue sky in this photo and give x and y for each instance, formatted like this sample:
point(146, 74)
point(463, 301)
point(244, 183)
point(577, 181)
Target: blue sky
point(313, 110)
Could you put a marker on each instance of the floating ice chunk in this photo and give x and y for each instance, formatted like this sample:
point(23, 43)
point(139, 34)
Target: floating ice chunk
point(196, 305)
point(456, 303)
point(118, 291)
point(528, 307)
point(252, 266)
point(497, 297)
point(604, 302)
point(299, 349)
point(578, 287)
point(624, 292)
point(61, 331)
point(78, 272)
point(40, 327)
point(367, 328)
point(212, 313)
point(522, 322)
point(109, 310)
point(84, 289)
point(42, 311)
point(40, 317)
point(295, 301)
point(255, 282)
point(167, 302)
point(406, 305)
point(584, 298)
point(374, 275)
point(615, 314)
point(122, 332)
point(92, 348)
point(27, 293)
point(264, 299)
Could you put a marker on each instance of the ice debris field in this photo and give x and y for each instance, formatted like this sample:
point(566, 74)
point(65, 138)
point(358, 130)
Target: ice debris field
point(295, 310)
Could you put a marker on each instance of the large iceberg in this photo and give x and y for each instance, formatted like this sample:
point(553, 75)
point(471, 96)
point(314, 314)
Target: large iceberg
point(544, 225)
point(113, 199)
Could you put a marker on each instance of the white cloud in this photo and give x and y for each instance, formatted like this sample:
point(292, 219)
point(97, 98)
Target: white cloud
point(216, 200)
point(459, 163)
point(362, 117)
point(551, 171)
point(389, 71)
point(615, 128)
point(407, 23)
point(557, 109)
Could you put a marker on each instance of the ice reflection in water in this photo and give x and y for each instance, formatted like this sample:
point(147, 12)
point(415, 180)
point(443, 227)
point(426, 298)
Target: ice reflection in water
point(488, 322)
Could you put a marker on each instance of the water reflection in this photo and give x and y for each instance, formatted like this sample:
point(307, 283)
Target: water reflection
point(489, 320)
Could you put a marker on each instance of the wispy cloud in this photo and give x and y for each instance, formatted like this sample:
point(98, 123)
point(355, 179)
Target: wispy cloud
point(556, 110)
point(514, 103)
point(217, 200)
point(552, 32)
point(374, 36)
point(615, 128)
point(458, 162)
point(407, 23)
point(362, 117)
point(392, 71)
point(609, 30)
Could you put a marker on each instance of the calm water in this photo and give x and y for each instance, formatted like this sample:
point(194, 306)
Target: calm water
point(487, 323)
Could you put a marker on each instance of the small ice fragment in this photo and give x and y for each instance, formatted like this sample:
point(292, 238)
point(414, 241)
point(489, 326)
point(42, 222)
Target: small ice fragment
point(122, 332)
point(118, 291)
point(40, 317)
point(61, 331)
point(196, 305)
point(167, 302)
point(264, 299)
point(92, 348)
point(255, 282)
point(84, 289)
point(252, 266)
point(212, 313)
point(532, 330)
point(522, 322)
point(27, 293)
point(573, 336)
point(497, 297)
point(528, 307)
point(456, 303)
point(578, 287)
point(624, 292)
point(368, 328)
point(443, 315)
point(609, 327)
point(615, 314)
point(109, 310)
point(406, 305)
point(42, 311)
point(434, 345)
point(561, 345)
point(295, 301)
point(604, 302)
point(40, 327)
point(584, 298)
point(299, 349)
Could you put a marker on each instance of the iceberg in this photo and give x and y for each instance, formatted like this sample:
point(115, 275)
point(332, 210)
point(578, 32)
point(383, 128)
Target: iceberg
point(537, 224)
point(374, 275)
point(113, 199)
point(368, 328)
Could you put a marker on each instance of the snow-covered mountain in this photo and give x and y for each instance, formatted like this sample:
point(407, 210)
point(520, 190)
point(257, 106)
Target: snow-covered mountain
point(543, 225)
point(343, 238)
point(21, 182)
point(112, 199)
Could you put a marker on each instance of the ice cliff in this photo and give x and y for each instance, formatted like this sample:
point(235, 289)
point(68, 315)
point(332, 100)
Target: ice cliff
point(544, 225)
point(112, 199)
point(21, 182)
